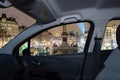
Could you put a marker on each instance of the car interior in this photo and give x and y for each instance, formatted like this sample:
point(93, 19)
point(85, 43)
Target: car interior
point(67, 40)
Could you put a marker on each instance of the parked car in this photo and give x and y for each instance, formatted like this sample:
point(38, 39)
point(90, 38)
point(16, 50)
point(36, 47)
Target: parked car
point(56, 39)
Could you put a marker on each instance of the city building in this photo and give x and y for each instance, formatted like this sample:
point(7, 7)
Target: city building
point(109, 41)
point(9, 28)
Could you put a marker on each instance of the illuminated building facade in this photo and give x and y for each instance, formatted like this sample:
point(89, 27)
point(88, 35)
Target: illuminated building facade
point(8, 29)
point(109, 41)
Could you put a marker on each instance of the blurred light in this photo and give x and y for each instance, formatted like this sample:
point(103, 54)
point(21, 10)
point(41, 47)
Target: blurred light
point(82, 27)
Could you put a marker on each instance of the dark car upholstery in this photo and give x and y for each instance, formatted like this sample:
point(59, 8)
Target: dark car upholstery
point(9, 67)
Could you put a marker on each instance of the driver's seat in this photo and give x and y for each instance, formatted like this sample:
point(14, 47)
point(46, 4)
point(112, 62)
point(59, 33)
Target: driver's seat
point(111, 70)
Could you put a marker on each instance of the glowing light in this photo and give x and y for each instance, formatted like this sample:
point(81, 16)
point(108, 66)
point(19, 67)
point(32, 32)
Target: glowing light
point(82, 27)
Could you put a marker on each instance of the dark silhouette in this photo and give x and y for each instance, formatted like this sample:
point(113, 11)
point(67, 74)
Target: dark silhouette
point(26, 52)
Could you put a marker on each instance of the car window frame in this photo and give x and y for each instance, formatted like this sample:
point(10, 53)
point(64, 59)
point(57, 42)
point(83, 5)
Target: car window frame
point(89, 37)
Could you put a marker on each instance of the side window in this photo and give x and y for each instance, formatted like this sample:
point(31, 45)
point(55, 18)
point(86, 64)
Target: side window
point(109, 41)
point(64, 39)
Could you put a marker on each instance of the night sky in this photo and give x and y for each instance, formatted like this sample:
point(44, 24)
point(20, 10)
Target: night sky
point(20, 17)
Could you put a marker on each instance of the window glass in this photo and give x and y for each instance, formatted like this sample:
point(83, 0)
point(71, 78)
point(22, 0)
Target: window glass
point(64, 39)
point(109, 41)
point(12, 22)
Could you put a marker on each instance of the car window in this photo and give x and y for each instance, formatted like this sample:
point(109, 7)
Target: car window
point(64, 39)
point(11, 24)
point(109, 40)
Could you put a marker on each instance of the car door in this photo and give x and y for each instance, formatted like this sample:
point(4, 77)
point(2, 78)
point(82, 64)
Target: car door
point(57, 53)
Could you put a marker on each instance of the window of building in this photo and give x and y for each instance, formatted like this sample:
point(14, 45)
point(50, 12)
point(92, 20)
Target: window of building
point(109, 41)
point(64, 39)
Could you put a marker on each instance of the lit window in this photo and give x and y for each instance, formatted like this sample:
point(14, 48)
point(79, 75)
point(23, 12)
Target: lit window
point(3, 19)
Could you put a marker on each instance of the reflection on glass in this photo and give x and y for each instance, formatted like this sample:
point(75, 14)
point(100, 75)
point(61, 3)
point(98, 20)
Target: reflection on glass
point(22, 48)
point(65, 39)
